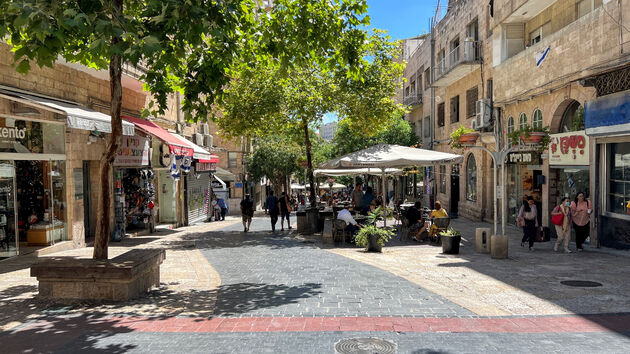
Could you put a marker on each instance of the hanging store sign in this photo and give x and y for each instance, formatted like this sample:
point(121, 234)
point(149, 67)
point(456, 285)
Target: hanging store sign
point(133, 152)
point(569, 149)
point(205, 166)
point(524, 158)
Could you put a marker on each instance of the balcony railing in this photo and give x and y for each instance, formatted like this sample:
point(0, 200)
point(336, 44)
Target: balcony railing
point(413, 99)
point(468, 52)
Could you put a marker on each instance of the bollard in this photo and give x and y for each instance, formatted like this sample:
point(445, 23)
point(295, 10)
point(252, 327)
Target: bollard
point(499, 246)
point(482, 240)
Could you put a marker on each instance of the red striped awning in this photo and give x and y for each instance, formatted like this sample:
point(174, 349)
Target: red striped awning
point(175, 145)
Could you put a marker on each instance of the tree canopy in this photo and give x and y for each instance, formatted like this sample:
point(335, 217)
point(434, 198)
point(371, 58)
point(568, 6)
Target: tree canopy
point(274, 157)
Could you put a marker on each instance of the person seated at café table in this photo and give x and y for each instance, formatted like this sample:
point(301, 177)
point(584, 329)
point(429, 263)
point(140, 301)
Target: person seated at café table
point(351, 224)
point(367, 199)
point(437, 212)
point(379, 201)
point(417, 226)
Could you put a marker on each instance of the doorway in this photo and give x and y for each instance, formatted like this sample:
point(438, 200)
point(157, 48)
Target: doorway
point(454, 203)
point(87, 200)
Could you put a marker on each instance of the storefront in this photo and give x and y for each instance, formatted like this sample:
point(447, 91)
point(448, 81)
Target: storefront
point(608, 125)
point(134, 191)
point(524, 178)
point(32, 183)
point(569, 158)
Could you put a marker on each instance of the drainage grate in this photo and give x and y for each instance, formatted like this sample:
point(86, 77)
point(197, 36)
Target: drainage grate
point(365, 346)
point(581, 283)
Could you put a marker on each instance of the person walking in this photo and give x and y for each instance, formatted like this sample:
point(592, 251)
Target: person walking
point(561, 217)
point(528, 219)
point(581, 216)
point(285, 211)
point(247, 212)
point(273, 208)
point(223, 206)
point(357, 198)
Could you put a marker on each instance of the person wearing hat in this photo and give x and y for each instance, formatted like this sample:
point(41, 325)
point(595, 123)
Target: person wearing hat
point(247, 212)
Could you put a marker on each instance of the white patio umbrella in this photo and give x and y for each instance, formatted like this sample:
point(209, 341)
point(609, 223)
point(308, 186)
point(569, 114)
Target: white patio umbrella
point(327, 186)
point(355, 171)
point(385, 156)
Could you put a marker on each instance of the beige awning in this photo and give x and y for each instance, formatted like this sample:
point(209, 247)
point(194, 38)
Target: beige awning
point(225, 175)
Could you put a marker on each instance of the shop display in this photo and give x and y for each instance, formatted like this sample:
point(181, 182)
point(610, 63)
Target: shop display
point(134, 197)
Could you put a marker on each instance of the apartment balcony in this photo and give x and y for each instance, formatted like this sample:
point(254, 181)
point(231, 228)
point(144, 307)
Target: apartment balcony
point(460, 62)
point(414, 99)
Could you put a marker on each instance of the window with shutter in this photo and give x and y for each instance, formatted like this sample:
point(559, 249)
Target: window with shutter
point(455, 109)
point(440, 114)
point(472, 96)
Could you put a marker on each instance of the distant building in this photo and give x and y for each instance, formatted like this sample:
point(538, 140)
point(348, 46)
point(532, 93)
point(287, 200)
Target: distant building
point(327, 131)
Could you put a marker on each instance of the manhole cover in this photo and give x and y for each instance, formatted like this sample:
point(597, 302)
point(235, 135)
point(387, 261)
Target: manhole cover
point(365, 346)
point(581, 283)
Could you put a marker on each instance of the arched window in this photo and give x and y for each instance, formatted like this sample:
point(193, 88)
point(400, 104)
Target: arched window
point(471, 178)
point(537, 121)
point(573, 118)
point(522, 121)
point(510, 125)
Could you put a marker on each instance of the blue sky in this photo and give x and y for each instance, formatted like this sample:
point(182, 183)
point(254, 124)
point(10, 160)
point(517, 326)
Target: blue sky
point(401, 19)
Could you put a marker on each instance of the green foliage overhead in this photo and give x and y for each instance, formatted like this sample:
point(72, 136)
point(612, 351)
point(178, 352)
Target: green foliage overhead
point(274, 157)
point(398, 132)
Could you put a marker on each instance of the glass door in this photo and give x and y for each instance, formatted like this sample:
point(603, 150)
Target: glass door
point(8, 239)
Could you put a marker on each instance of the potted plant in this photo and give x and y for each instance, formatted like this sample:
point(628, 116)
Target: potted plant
point(371, 237)
point(450, 241)
point(532, 136)
point(462, 137)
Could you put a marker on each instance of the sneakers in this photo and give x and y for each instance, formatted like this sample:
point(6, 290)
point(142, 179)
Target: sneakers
point(290, 228)
point(244, 228)
point(580, 249)
point(567, 251)
point(555, 247)
point(531, 249)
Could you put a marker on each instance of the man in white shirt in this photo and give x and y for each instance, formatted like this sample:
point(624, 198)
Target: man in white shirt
point(351, 224)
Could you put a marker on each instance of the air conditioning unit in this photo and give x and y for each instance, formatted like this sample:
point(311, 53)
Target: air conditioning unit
point(483, 116)
point(208, 140)
point(198, 139)
point(205, 129)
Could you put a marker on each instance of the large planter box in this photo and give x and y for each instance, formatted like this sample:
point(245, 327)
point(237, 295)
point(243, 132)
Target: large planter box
point(450, 244)
point(122, 278)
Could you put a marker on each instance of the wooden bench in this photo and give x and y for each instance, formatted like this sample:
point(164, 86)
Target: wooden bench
point(122, 278)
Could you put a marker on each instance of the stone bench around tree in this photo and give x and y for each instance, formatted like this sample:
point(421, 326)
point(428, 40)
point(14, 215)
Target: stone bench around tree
point(122, 278)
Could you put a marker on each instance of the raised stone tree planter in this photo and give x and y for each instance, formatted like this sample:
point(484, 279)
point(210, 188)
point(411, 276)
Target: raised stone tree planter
point(122, 278)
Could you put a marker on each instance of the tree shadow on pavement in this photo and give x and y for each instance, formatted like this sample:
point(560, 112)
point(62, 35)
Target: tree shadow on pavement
point(220, 240)
point(241, 298)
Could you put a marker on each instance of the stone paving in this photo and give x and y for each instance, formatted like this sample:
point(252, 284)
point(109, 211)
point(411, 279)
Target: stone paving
point(224, 291)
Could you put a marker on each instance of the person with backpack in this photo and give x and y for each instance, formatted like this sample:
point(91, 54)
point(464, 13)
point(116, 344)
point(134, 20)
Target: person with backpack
point(247, 212)
point(581, 216)
point(560, 217)
point(274, 209)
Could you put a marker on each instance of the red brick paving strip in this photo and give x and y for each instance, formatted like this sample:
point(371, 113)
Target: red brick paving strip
point(560, 324)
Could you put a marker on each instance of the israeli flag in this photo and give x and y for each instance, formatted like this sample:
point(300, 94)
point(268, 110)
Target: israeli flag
point(185, 167)
point(541, 56)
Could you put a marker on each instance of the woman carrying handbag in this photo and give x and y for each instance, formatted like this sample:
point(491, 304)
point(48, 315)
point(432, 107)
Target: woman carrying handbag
point(528, 219)
point(581, 216)
point(560, 217)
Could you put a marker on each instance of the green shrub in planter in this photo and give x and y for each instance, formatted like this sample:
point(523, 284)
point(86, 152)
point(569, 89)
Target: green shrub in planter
point(450, 241)
point(373, 238)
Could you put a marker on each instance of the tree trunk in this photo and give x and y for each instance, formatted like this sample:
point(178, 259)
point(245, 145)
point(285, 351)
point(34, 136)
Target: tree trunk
point(309, 161)
point(104, 215)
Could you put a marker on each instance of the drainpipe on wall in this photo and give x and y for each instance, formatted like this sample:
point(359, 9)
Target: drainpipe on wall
point(428, 176)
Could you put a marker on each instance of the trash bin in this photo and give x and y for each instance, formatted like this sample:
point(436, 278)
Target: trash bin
point(482, 240)
point(301, 222)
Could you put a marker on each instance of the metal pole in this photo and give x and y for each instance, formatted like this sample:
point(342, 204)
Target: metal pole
point(494, 200)
point(503, 179)
point(384, 193)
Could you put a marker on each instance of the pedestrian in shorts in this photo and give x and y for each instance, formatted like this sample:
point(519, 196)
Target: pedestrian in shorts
point(285, 211)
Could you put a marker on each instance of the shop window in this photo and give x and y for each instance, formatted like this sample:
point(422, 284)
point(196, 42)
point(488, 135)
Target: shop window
point(232, 159)
point(471, 178)
point(537, 119)
point(522, 121)
point(619, 178)
point(471, 101)
point(510, 125)
point(455, 109)
point(440, 114)
point(24, 136)
point(443, 179)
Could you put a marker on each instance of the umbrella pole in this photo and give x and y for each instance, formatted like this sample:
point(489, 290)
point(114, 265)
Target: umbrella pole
point(384, 194)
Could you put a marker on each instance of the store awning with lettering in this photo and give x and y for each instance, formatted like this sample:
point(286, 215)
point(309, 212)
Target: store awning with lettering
point(77, 117)
point(199, 153)
point(176, 145)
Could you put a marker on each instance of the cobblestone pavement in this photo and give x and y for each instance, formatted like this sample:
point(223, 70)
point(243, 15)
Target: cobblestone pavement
point(225, 291)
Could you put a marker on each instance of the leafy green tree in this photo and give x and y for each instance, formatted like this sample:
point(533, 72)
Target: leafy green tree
point(348, 140)
point(292, 99)
point(274, 157)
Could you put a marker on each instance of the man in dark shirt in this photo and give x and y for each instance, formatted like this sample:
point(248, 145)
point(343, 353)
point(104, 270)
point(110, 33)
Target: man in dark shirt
point(247, 212)
point(417, 227)
point(274, 209)
point(285, 211)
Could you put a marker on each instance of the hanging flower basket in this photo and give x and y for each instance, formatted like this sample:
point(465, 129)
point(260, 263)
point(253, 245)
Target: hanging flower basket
point(468, 139)
point(533, 138)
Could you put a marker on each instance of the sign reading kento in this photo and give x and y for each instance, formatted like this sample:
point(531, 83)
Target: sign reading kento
point(569, 149)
